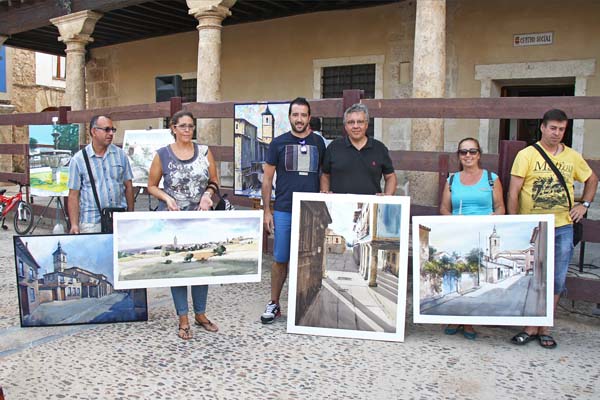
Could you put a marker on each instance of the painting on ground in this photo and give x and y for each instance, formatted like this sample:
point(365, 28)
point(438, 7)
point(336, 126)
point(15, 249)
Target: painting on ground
point(483, 270)
point(255, 126)
point(348, 264)
point(68, 279)
point(140, 147)
point(50, 150)
point(162, 248)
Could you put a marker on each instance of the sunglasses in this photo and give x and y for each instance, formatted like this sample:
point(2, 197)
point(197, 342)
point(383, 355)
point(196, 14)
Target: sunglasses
point(464, 152)
point(106, 129)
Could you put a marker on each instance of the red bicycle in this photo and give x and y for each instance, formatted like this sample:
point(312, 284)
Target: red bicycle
point(23, 218)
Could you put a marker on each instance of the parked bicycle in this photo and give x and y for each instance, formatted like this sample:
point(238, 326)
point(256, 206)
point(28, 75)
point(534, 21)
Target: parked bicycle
point(23, 218)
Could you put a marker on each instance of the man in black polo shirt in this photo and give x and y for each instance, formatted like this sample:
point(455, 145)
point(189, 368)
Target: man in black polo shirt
point(355, 163)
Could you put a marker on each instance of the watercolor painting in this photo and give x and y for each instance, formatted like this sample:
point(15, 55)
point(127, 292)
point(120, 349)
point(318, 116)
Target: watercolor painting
point(496, 269)
point(255, 126)
point(161, 249)
point(50, 150)
point(68, 279)
point(140, 147)
point(348, 265)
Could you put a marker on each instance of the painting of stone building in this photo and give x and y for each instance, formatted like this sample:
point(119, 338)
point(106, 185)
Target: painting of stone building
point(50, 151)
point(67, 279)
point(348, 265)
point(163, 249)
point(140, 147)
point(470, 269)
point(255, 126)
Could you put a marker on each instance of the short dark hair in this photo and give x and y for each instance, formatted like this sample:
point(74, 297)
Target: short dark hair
point(315, 123)
point(180, 114)
point(301, 101)
point(554, 115)
point(95, 119)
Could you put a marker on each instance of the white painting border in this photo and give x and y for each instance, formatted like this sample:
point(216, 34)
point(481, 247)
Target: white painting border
point(464, 222)
point(199, 215)
point(404, 202)
point(150, 138)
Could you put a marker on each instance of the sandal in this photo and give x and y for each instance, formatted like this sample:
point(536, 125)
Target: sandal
point(184, 333)
point(207, 325)
point(452, 330)
point(549, 341)
point(523, 338)
point(471, 335)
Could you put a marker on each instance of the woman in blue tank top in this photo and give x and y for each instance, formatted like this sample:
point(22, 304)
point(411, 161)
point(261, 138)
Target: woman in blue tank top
point(186, 168)
point(471, 191)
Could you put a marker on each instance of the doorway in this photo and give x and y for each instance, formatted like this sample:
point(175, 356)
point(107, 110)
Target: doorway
point(528, 130)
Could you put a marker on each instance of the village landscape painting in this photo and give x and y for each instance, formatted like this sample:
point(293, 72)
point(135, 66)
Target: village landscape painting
point(50, 151)
point(255, 126)
point(68, 279)
point(348, 265)
point(483, 269)
point(161, 249)
point(140, 147)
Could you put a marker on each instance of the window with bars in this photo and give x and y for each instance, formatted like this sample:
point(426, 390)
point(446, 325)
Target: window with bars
point(334, 80)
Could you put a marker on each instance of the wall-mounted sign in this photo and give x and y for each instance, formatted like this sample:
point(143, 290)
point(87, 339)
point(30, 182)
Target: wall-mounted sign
point(533, 39)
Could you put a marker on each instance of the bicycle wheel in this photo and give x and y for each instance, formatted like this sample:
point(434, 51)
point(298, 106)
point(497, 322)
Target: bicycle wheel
point(23, 218)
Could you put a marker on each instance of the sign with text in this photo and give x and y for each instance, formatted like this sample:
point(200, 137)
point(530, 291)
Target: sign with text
point(533, 39)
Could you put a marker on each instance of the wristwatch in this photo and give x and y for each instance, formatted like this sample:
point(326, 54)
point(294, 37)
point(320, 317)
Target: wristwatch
point(586, 204)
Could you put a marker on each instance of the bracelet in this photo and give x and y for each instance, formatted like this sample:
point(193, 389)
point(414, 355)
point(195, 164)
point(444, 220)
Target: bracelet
point(207, 193)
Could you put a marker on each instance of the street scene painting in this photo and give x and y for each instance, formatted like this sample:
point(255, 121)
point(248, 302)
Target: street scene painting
point(255, 126)
point(140, 147)
point(163, 248)
point(482, 270)
point(68, 279)
point(348, 265)
point(50, 150)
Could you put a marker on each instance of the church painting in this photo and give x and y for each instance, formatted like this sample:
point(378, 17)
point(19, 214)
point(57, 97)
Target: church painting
point(68, 279)
point(255, 127)
point(483, 269)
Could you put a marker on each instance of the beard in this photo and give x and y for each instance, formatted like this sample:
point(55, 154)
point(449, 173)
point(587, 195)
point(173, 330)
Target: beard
point(301, 130)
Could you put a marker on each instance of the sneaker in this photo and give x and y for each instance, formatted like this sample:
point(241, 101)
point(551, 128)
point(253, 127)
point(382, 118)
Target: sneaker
point(272, 312)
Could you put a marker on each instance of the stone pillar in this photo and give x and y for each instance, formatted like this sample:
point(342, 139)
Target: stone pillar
point(429, 81)
point(75, 31)
point(373, 266)
point(210, 15)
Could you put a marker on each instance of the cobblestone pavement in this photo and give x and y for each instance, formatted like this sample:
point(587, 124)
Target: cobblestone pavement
point(248, 360)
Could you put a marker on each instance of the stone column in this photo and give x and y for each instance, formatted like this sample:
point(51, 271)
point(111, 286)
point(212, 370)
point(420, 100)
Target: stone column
point(373, 266)
point(75, 31)
point(210, 15)
point(429, 81)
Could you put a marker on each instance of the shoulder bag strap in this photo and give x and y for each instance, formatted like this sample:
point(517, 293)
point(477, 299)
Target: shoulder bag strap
point(92, 182)
point(560, 177)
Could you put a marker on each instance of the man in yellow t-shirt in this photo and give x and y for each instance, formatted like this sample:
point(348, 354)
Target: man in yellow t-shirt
point(535, 189)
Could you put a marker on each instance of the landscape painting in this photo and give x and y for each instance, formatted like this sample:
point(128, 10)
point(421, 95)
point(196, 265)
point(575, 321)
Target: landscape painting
point(50, 150)
point(162, 248)
point(348, 265)
point(483, 270)
point(255, 126)
point(68, 279)
point(140, 147)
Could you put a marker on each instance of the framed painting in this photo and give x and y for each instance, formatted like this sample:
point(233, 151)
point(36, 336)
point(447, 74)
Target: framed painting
point(140, 147)
point(348, 263)
point(50, 150)
point(68, 279)
point(162, 248)
point(483, 270)
point(255, 126)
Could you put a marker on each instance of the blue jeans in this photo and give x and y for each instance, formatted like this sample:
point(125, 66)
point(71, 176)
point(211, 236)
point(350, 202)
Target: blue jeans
point(199, 295)
point(563, 252)
point(283, 231)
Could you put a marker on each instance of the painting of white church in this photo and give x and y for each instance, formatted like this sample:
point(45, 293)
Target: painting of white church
point(68, 279)
point(483, 269)
point(255, 126)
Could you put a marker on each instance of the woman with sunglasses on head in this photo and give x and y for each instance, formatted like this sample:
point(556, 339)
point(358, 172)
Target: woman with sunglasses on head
point(190, 177)
point(471, 191)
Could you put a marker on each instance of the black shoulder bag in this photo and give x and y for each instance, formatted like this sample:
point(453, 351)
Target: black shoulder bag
point(106, 214)
point(577, 226)
point(223, 203)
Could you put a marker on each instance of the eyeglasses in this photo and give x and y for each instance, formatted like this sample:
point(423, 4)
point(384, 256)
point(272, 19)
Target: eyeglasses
point(185, 127)
point(464, 152)
point(359, 122)
point(303, 146)
point(106, 129)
